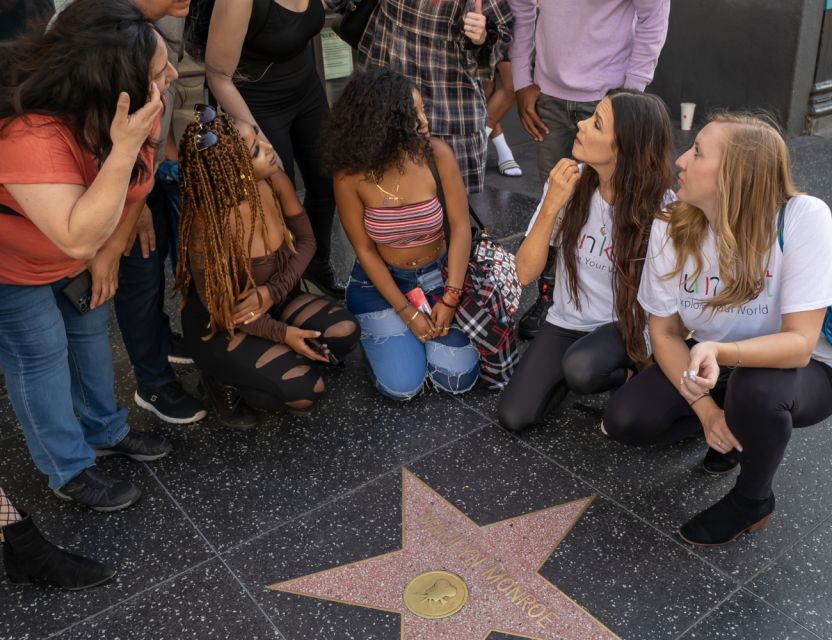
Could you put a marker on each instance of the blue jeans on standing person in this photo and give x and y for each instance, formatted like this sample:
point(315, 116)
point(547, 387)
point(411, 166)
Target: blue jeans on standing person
point(57, 363)
point(398, 362)
point(140, 299)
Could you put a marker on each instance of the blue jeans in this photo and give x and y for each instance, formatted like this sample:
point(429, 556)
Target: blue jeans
point(58, 362)
point(398, 362)
point(140, 298)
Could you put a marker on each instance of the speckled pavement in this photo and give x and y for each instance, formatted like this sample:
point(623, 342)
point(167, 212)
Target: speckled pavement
point(228, 514)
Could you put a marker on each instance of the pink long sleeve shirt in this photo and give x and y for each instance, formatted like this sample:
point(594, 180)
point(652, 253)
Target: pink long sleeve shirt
point(583, 48)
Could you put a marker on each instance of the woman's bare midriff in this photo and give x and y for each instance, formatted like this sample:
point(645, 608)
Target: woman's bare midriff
point(412, 257)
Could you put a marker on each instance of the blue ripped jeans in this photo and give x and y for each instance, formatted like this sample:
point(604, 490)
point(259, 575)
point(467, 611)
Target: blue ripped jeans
point(58, 364)
point(398, 362)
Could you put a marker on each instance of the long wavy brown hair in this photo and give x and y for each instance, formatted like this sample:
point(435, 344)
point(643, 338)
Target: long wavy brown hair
point(214, 183)
point(643, 174)
point(754, 180)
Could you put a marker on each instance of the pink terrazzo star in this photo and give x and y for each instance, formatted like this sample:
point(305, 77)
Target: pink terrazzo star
point(499, 563)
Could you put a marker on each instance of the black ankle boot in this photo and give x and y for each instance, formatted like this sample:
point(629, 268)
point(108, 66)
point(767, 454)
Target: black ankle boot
point(228, 403)
point(727, 520)
point(717, 463)
point(29, 556)
point(534, 318)
point(319, 273)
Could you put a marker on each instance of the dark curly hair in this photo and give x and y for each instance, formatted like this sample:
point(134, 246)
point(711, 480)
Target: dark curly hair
point(373, 126)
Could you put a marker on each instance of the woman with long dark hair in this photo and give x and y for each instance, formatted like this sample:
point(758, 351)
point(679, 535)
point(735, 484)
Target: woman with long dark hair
point(737, 283)
point(598, 216)
point(77, 107)
point(246, 241)
point(380, 153)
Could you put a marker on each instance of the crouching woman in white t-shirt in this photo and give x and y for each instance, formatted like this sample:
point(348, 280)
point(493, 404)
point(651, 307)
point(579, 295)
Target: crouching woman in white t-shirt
point(598, 215)
point(754, 298)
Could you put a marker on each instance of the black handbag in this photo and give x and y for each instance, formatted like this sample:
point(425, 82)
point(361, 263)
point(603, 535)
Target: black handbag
point(351, 24)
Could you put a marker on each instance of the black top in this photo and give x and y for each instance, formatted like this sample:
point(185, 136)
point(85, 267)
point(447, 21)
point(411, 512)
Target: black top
point(277, 34)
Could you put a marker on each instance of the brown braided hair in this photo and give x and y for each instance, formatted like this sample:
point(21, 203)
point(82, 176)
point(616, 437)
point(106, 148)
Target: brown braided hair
point(643, 174)
point(213, 183)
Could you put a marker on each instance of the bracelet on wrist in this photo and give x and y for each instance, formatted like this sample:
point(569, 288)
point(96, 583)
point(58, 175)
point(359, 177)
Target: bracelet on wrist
point(412, 318)
point(403, 307)
point(445, 304)
point(698, 399)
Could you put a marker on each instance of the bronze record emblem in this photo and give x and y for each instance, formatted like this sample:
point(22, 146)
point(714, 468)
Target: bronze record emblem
point(435, 594)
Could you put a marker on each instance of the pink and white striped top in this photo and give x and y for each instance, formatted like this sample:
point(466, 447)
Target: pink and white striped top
point(408, 225)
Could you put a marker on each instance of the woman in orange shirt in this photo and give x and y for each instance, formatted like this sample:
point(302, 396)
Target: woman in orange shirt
point(76, 112)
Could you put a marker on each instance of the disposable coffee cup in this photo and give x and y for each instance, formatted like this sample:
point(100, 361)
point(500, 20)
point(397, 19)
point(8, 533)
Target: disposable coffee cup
point(687, 115)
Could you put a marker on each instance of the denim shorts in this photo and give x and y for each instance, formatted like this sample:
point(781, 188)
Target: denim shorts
point(398, 362)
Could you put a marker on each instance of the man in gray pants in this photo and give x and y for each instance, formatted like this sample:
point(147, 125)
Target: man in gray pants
point(564, 61)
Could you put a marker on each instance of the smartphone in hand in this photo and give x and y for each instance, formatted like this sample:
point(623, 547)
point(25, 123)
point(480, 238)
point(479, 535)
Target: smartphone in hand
point(322, 349)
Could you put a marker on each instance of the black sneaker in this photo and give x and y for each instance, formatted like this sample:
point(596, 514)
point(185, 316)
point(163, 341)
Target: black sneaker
point(320, 274)
point(99, 492)
point(717, 464)
point(228, 403)
point(178, 353)
point(171, 404)
point(534, 318)
point(140, 446)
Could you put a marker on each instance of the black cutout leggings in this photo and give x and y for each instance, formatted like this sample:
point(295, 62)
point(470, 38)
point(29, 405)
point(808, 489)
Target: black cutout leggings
point(556, 361)
point(762, 406)
point(246, 361)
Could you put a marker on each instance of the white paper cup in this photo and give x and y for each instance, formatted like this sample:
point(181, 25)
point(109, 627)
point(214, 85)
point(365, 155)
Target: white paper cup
point(687, 115)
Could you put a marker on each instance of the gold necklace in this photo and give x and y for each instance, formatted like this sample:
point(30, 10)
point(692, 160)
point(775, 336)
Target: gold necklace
point(390, 197)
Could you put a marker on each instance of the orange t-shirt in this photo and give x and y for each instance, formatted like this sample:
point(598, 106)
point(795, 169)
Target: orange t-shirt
point(39, 149)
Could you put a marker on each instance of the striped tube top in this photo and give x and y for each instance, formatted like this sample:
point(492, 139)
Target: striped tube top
point(409, 225)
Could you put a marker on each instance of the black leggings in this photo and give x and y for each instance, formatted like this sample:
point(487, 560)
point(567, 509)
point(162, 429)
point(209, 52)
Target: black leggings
point(271, 375)
point(291, 119)
point(556, 361)
point(762, 406)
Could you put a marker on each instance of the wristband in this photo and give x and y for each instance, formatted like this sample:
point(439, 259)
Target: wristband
point(699, 398)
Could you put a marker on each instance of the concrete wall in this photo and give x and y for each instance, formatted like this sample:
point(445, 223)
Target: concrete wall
point(741, 54)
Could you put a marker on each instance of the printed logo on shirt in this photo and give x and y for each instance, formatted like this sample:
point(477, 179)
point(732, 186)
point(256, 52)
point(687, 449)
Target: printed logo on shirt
point(600, 254)
point(709, 286)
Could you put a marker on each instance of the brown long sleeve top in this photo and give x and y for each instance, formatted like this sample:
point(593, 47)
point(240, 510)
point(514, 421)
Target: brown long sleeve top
point(279, 272)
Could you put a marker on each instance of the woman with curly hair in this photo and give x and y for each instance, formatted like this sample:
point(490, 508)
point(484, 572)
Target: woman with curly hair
point(380, 153)
point(598, 216)
point(737, 283)
point(246, 241)
point(445, 48)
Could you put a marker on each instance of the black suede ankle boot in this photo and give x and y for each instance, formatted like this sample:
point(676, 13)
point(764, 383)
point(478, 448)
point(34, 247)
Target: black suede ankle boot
point(727, 520)
point(226, 400)
point(320, 273)
point(28, 556)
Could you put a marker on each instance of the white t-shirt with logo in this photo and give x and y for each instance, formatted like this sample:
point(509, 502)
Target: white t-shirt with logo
point(798, 278)
point(595, 269)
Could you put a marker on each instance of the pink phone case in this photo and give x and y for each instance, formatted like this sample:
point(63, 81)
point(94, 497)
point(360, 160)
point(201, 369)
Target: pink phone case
point(418, 299)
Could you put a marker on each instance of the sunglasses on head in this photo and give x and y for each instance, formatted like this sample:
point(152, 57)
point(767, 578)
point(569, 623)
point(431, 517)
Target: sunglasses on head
point(204, 114)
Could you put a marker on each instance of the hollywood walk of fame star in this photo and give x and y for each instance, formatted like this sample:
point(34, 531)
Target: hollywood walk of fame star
point(499, 564)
